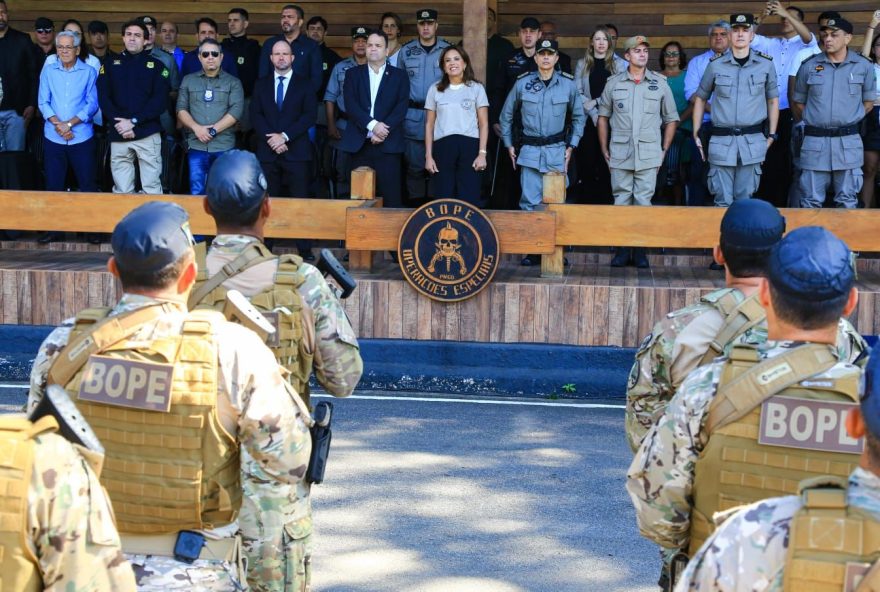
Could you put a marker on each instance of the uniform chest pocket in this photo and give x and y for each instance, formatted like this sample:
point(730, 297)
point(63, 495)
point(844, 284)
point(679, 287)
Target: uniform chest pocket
point(621, 99)
point(560, 106)
point(652, 105)
point(856, 81)
point(530, 110)
point(757, 85)
point(815, 79)
point(723, 85)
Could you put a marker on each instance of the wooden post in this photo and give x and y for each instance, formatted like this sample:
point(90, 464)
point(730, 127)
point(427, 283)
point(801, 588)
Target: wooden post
point(554, 193)
point(363, 186)
point(474, 34)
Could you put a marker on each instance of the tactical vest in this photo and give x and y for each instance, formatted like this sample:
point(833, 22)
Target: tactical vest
point(831, 544)
point(739, 317)
point(282, 304)
point(164, 471)
point(19, 569)
point(735, 468)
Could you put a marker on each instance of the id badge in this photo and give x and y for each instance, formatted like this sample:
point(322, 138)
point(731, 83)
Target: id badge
point(209, 95)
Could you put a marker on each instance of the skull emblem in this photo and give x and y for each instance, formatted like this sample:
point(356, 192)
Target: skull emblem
point(448, 247)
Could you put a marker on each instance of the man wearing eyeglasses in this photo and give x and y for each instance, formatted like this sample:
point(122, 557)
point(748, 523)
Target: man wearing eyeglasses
point(209, 104)
point(19, 83)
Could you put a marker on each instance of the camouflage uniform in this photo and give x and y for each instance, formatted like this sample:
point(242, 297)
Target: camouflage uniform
point(748, 550)
point(257, 405)
point(674, 349)
point(70, 527)
point(337, 362)
point(661, 477)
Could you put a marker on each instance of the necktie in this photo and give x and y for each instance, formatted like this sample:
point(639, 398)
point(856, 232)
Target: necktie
point(279, 92)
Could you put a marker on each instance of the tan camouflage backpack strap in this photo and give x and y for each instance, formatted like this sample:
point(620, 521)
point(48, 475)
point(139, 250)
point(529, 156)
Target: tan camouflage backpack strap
point(254, 254)
point(102, 334)
point(831, 545)
point(739, 393)
point(743, 317)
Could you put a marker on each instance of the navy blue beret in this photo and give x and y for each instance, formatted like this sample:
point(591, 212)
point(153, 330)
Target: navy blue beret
point(236, 184)
point(812, 264)
point(151, 236)
point(752, 224)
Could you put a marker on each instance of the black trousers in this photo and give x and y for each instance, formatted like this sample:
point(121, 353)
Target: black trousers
point(594, 178)
point(776, 177)
point(387, 167)
point(289, 179)
point(457, 179)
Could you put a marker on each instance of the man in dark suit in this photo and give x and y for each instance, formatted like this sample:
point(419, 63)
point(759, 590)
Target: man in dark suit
point(282, 110)
point(376, 99)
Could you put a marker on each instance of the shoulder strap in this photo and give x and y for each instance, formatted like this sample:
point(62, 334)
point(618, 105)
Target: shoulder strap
point(102, 335)
point(737, 398)
point(254, 254)
point(743, 317)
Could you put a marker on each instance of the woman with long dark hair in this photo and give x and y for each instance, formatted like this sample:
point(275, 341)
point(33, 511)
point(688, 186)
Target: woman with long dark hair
point(673, 65)
point(456, 129)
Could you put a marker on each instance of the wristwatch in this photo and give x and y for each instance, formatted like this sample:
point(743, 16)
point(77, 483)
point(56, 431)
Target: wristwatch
point(69, 127)
point(212, 132)
point(774, 136)
point(134, 121)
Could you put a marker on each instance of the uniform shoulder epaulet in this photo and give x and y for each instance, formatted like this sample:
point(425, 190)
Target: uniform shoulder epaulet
point(567, 75)
point(523, 75)
point(764, 55)
point(657, 74)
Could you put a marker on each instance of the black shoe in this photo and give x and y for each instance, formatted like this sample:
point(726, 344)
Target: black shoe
point(394, 257)
point(622, 258)
point(716, 266)
point(641, 259)
point(307, 255)
point(530, 260)
point(95, 238)
point(49, 237)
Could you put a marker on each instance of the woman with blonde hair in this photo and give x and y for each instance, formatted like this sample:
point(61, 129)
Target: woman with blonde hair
point(590, 75)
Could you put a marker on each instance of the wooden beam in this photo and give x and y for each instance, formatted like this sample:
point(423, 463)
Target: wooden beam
point(553, 265)
point(518, 232)
point(474, 34)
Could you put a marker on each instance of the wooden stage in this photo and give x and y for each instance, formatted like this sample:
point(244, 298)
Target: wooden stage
point(592, 304)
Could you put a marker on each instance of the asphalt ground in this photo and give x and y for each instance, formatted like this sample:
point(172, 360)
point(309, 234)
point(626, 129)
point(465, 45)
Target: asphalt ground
point(433, 493)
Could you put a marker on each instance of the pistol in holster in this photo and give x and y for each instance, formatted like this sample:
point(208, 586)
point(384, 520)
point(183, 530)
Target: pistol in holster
point(321, 435)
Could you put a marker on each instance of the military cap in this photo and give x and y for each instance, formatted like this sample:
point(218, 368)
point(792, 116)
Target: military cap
point(635, 41)
point(426, 14)
point(151, 236)
point(530, 22)
point(837, 23)
point(751, 224)
point(547, 45)
point(742, 19)
point(236, 184)
point(43, 22)
point(870, 392)
point(360, 32)
point(812, 264)
point(147, 20)
point(98, 27)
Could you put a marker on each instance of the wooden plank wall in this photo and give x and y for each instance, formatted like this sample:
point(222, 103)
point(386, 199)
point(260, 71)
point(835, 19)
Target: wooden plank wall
point(661, 20)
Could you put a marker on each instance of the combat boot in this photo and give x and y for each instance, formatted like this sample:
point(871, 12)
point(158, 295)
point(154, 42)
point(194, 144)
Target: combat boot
point(640, 257)
point(622, 258)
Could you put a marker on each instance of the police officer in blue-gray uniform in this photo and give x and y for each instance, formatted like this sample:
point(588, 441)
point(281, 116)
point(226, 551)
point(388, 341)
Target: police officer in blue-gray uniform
point(745, 98)
point(337, 119)
point(833, 90)
point(421, 60)
point(546, 100)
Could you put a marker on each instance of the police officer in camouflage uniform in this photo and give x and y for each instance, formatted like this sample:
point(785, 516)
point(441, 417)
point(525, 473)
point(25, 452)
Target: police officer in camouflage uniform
point(208, 424)
point(757, 547)
point(58, 530)
point(833, 90)
point(695, 335)
point(745, 98)
point(552, 120)
point(421, 60)
point(337, 118)
point(637, 102)
point(724, 439)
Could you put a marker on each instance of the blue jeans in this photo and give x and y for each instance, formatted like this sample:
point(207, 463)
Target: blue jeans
point(11, 131)
point(200, 162)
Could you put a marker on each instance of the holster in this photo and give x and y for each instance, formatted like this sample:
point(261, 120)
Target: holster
point(321, 436)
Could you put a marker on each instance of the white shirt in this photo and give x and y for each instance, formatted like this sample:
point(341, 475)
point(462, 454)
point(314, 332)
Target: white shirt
point(284, 84)
point(800, 58)
point(784, 52)
point(694, 74)
point(392, 59)
point(375, 81)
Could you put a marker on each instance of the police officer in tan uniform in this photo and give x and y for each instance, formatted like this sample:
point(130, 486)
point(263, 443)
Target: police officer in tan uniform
point(194, 414)
point(637, 102)
point(745, 98)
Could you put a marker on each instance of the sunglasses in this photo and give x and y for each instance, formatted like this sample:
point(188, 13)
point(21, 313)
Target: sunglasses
point(672, 54)
point(213, 54)
point(44, 31)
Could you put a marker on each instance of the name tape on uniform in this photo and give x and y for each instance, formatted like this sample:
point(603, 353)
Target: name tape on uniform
point(127, 383)
point(808, 424)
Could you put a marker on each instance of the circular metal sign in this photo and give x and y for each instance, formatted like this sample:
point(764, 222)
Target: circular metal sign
point(448, 250)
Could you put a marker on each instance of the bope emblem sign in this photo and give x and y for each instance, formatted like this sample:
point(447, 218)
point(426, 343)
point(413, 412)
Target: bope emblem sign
point(448, 250)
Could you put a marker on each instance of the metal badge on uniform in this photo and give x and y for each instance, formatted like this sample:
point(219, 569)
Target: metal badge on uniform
point(209, 95)
point(808, 424)
point(127, 383)
point(819, 67)
point(240, 60)
point(538, 86)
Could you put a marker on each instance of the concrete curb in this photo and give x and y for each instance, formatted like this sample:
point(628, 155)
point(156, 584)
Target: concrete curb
point(466, 368)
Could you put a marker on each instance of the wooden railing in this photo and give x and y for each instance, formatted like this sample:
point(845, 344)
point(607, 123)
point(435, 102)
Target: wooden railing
point(367, 227)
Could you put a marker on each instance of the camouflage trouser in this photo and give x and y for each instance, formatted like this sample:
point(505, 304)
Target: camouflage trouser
point(282, 564)
point(164, 574)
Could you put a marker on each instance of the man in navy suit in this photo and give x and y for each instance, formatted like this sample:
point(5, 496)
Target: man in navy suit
point(282, 110)
point(376, 99)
